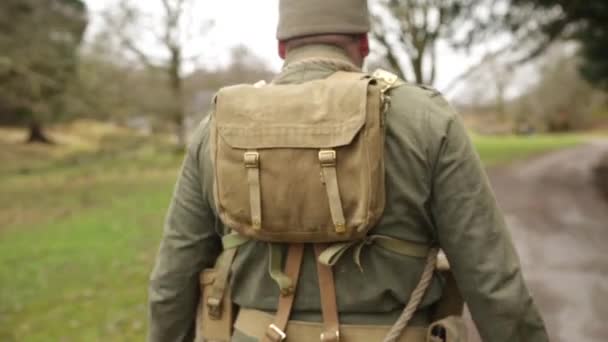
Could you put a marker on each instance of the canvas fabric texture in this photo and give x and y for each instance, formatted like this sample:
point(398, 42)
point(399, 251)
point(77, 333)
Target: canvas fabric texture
point(340, 116)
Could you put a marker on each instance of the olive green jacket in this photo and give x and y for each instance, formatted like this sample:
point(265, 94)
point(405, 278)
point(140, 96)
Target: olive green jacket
point(437, 193)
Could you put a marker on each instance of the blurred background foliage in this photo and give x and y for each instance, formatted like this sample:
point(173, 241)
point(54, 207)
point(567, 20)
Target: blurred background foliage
point(89, 128)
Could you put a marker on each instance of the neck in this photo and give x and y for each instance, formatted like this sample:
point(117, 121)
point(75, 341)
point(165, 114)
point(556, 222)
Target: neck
point(316, 51)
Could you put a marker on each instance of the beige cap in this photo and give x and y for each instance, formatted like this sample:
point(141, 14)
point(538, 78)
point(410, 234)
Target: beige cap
point(299, 18)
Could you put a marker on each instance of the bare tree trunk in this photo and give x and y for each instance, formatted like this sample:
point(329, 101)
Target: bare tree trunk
point(417, 66)
point(177, 91)
point(37, 135)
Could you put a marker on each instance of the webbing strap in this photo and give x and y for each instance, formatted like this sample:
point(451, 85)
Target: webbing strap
point(223, 264)
point(329, 306)
point(217, 290)
point(275, 269)
point(327, 158)
point(333, 253)
point(276, 331)
point(234, 240)
point(252, 163)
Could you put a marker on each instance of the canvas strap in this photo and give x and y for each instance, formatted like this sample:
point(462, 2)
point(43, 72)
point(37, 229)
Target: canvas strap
point(252, 163)
point(329, 306)
point(333, 253)
point(230, 243)
point(275, 268)
point(275, 332)
point(327, 158)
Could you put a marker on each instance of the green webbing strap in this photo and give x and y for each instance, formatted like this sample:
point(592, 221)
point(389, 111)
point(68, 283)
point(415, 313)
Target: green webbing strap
point(223, 264)
point(334, 252)
point(275, 268)
point(234, 240)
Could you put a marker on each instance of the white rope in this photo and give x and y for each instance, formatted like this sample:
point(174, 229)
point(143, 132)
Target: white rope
point(415, 299)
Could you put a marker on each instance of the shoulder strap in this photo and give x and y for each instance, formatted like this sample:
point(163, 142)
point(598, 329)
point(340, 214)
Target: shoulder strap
point(329, 305)
point(276, 331)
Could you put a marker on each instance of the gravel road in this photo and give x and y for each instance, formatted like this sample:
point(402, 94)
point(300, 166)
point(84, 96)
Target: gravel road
point(559, 223)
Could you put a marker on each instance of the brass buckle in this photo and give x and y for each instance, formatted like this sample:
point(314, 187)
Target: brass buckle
point(251, 159)
point(215, 308)
point(273, 328)
point(334, 337)
point(327, 158)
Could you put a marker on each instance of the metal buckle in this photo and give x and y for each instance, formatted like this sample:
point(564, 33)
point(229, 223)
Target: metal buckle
point(282, 335)
point(334, 338)
point(215, 309)
point(251, 159)
point(327, 157)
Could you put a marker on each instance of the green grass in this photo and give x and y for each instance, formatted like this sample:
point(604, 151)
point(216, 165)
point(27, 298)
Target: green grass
point(79, 230)
point(78, 235)
point(501, 149)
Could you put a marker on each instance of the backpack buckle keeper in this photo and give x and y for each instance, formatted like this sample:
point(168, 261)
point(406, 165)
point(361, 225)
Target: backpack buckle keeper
point(327, 158)
point(331, 336)
point(275, 334)
point(252, 160)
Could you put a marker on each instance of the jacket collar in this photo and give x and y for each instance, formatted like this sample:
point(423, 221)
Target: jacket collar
point(296, 70)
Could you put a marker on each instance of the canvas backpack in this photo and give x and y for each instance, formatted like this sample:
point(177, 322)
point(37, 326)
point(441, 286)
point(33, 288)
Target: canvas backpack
point(300, 162)
point(297, 164)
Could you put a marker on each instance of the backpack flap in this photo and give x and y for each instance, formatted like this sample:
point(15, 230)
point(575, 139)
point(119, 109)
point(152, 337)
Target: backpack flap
point(300, 163)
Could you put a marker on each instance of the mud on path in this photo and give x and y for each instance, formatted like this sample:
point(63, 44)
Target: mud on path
point(559, 223)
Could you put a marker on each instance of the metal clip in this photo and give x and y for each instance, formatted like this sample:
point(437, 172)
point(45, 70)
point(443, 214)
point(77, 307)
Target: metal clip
point(333, 336)
point(327, 158)
point(251, 159)
point(280, 333)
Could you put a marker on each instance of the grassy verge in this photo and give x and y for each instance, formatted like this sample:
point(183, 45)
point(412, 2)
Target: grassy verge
point(80, 224)
point(503, 149)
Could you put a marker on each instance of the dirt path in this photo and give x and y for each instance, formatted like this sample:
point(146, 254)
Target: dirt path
point(560, 227)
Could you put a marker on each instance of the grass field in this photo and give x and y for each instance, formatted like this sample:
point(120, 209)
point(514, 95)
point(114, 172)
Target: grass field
point(80, 224)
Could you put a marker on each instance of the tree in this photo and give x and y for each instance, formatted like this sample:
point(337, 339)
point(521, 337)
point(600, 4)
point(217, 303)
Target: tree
point(175, 33)
point(539, 23)
point(39, 42)
point(410, 29)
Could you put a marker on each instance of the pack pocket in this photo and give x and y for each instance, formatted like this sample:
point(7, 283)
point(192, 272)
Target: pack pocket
point(300, 163)
point(212, 327)
point(449, 329)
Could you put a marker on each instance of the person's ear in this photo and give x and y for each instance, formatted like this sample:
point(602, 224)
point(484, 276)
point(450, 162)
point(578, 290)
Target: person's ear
point(364, 45)
point(282, 49)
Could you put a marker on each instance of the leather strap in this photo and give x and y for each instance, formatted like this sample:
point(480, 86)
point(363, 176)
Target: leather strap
point(327, 158)
point(252, 163)
point(329, 306)
point(276, 331)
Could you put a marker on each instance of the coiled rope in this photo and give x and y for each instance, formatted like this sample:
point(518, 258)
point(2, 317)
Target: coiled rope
point(415, 299)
